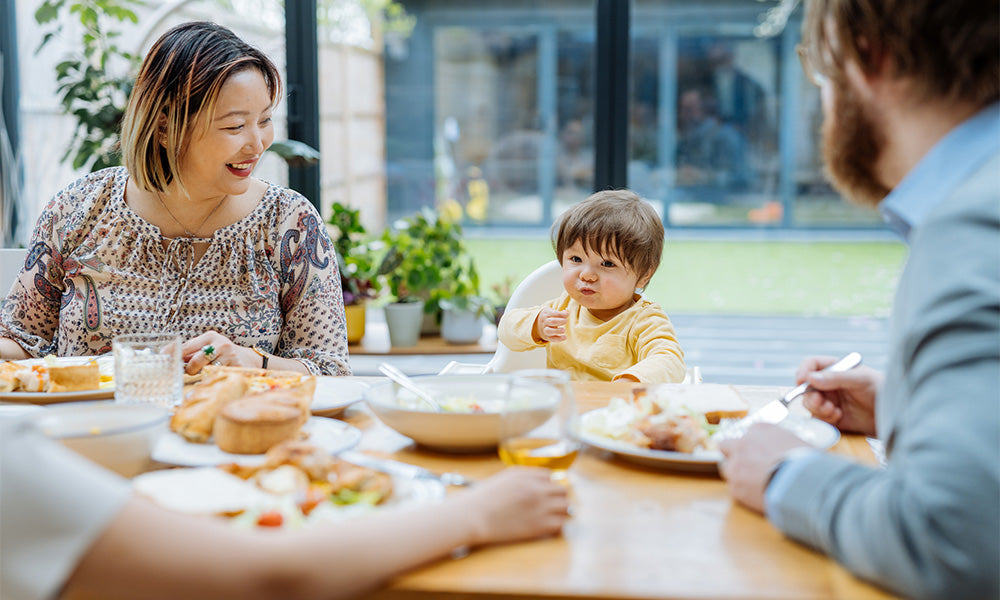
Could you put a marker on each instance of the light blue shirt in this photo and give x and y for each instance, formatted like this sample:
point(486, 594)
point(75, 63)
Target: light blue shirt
point(953, 159)
point(950, 162)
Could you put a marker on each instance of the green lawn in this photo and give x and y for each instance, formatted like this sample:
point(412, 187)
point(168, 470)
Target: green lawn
point(753, 277)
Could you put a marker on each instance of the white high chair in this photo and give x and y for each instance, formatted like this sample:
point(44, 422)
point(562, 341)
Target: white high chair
point(542, 284)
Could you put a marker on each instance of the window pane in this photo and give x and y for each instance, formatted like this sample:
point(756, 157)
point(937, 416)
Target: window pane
point(493, 123)
point(723, 126)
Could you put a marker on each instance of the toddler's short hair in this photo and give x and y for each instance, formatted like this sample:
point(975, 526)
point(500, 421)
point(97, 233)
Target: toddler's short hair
point(614, 222)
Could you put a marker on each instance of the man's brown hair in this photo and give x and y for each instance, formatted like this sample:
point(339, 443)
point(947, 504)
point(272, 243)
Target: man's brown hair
point(613, 223)
point(949, 48)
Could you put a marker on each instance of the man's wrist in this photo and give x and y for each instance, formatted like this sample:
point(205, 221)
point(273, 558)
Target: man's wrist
point(791, 455)
point(779, 479)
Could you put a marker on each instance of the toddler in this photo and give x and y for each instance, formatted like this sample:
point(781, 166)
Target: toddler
point(601, 328)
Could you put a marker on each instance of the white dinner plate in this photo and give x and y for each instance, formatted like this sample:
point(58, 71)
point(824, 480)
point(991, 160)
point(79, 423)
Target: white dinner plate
point(105, 364)
point(336, 393)
point(818, 433)
point(329, 434)
point(211, 491)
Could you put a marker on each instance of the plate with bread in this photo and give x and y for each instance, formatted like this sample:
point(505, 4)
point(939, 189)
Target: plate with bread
point(671, 425)
point(235, 415)
point(297, 484)
point(57, 379)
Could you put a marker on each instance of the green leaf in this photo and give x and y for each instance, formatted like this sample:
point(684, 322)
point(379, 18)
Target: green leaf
point(47, 12)
point(295, 153)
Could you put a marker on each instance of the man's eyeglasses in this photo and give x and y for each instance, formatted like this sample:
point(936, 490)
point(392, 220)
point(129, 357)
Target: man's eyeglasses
point(818, 79)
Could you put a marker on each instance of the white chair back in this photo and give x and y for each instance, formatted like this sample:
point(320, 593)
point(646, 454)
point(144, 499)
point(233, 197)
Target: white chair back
point(11, 261)
point(541, 285)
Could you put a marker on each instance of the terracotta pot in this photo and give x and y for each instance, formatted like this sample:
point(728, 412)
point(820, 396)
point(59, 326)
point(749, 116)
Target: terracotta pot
point(355, 314)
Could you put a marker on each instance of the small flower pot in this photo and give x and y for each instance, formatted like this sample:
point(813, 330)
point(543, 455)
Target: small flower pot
point(461, 326)
point(403, 320)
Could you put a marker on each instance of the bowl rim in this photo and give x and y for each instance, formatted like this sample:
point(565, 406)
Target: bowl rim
point(159, 415)
point(377, 404)
point(370, 392)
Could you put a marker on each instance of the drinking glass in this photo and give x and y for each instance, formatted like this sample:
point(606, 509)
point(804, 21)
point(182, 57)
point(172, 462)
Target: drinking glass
point(148, 368)
point(539, 425)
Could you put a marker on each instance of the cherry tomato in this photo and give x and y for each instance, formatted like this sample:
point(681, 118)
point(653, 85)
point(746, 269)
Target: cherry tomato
point(271, 518)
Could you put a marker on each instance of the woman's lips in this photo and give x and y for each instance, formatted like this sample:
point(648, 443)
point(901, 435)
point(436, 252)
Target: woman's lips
point(242, 169)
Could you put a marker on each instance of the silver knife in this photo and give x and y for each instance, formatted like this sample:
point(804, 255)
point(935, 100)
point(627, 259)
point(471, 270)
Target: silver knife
point(402, 469)
point(776, 410)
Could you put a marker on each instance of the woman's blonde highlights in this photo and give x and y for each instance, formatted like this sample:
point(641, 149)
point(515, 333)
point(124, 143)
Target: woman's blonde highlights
point(180, 80)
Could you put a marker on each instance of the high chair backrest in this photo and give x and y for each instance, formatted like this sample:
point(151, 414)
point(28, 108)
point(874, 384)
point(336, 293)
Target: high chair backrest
point(542, 284)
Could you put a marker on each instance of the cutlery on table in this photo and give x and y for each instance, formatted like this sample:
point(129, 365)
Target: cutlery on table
point(404, 381)
point(402, 469)
point(776, 410)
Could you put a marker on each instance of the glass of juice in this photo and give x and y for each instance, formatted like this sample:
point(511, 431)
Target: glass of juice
point(539, 424)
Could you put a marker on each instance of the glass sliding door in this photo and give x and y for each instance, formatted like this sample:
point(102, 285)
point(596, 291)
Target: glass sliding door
point(724, 129)
point(704, 125)
point(501, 115)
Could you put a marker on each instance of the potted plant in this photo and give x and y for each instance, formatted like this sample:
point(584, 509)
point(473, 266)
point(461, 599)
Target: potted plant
point(500, 294)
point(463, 308)
point(421, 257)
point(356, 260)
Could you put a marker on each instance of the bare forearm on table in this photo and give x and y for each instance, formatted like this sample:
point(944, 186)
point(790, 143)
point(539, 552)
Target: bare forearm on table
point(11, 350)
point(179, 556)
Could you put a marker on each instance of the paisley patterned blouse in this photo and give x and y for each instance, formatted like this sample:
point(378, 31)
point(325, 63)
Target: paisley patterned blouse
point(95, 269)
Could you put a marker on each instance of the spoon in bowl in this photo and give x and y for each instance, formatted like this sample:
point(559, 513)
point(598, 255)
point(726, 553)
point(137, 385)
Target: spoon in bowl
point(404, 381)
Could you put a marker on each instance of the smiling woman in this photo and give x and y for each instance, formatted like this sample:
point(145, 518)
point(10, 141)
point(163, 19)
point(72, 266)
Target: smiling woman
point(183, 238)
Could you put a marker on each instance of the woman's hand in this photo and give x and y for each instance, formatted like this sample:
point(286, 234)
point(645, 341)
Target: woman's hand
point(518, 503)
point(214, 348)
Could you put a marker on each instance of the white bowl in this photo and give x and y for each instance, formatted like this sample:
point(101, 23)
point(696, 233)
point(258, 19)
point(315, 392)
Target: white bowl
point(452, 431)
point(119, 437)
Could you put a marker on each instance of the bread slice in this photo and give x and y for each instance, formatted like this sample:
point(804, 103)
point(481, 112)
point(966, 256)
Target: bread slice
point(262, 380)
point(253, 425)
point(195, 417)
point(714, 400)
point(298, 397)
point(74, 378)
point(8, 376)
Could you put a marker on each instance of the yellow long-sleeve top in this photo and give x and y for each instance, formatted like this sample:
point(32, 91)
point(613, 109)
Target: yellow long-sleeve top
point(640, 341)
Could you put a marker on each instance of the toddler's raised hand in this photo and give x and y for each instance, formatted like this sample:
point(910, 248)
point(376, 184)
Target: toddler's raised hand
point(550, 325)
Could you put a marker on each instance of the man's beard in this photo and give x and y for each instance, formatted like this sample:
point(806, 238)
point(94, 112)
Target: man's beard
point(852, 142)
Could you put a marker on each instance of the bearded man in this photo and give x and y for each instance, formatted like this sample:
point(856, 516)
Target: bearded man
point(912, 127)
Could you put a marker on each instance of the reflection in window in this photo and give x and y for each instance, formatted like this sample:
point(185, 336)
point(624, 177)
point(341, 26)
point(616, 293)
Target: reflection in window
point(718, 163)
point(508, 146)
point(722, 133)
point(495, 121)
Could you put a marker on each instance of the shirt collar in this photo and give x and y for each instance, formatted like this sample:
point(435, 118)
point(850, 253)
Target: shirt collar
point(956, 156)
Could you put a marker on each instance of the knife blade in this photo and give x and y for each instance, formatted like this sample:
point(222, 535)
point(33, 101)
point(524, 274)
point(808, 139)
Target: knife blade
point(402, 469)
point(776, 410)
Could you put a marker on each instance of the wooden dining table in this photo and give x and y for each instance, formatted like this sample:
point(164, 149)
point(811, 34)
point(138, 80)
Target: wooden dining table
point(635, 532)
